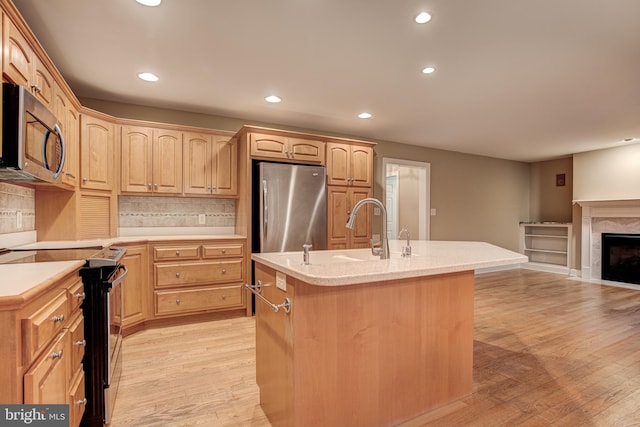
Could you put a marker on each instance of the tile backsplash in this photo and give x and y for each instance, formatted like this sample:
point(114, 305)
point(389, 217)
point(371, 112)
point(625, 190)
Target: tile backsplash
point(140, 211)
point(17, 208)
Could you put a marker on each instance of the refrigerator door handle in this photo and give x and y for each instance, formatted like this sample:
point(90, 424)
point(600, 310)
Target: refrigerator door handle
point(264, 208)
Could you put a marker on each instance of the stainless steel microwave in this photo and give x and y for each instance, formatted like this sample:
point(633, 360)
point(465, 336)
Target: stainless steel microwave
point(32, 141)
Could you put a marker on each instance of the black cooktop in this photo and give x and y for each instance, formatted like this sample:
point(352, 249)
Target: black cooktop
point(20, 256)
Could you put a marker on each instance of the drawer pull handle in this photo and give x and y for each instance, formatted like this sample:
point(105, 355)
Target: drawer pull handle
point(57, 355)
point(58, 318)
point(178, 274)
point(81, 401)
point(82, 343)
point(81, 295)
point(178, 301)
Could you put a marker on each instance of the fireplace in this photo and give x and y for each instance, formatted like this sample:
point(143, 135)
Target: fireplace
point(621, 257)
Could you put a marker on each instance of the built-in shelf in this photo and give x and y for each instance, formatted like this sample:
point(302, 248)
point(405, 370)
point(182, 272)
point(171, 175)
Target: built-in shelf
point(548, 245)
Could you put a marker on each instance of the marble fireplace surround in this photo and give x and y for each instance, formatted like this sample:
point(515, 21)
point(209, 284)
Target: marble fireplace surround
point(604, 216)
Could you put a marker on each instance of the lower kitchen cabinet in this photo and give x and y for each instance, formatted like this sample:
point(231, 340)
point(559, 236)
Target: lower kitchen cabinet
point(135, 289)
point(197, 277)
point(43, 345)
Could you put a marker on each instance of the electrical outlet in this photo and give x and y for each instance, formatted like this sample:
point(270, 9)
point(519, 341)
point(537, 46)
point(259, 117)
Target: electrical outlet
point(202, 219)
point(281, 281)
point(433, 211)
point(376, 211)
point(19, 219)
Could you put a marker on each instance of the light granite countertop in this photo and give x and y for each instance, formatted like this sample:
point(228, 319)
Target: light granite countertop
point(18, 279)
point(354, 266)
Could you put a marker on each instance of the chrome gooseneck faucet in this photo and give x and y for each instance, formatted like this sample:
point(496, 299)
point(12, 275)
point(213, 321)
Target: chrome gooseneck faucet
point(406, 250)
point(383, 250)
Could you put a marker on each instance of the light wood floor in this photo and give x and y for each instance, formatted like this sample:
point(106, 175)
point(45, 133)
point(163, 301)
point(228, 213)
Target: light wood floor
point(548, 350)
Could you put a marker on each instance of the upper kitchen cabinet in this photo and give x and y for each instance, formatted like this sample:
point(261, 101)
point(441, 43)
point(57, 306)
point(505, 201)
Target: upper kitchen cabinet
point(22, 66)
point(96, 153)
point(151, 160)
point(280, 147)
point(210, 165)
point(349, 164)
point(69, 121)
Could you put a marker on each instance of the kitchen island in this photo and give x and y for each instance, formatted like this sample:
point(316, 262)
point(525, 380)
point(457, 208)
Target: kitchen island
point(367, 342)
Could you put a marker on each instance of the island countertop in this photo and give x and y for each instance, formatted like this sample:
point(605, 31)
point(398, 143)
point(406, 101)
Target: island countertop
point(354, 266)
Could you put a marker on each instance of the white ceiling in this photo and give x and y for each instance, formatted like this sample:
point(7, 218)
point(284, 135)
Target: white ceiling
point(516, 79)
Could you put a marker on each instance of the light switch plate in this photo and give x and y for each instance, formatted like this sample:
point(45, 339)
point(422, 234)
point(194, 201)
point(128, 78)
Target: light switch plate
point(433, 211)
point(281, 281)
point(202, 219)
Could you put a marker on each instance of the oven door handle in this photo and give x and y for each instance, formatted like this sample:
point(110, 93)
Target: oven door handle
point(118, 275)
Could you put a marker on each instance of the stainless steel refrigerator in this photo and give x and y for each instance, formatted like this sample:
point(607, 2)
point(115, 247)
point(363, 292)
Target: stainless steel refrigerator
point(292, 207)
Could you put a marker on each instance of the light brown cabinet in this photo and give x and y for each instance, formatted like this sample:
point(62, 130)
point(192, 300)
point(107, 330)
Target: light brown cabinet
point(198, 277)
point(340, 202)
point(151, 160)
point(279, 147)
point(69, 121)
point(349, 164)
point(23, 67)
point(96, 153)
point(210, 165)
point(135, 290)
point(44, 346)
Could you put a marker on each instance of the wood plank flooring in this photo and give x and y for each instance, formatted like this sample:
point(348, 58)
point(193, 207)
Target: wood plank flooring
point(548, 350)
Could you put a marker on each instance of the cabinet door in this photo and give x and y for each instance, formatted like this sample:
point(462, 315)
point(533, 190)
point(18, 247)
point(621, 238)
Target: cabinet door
point(18, 56)
point(69, 124)
point(42, 84)
point(225, 174)
point(167, 161)
point(135, 289)
point(338, 164)
point(96, 152)
point(338, 212)
point(136, 159)
point(271, 146)
point(197, 163)
point(361, 166)
point(72, 145)
point(46, 380)
point(360, 236)
point(306, 150)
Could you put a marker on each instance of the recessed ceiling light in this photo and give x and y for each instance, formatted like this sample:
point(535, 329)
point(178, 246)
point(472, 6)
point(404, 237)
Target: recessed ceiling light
point(274, 99)
point(423, 18)
point(148, 77)
point(365, 115)
point(428, 70)
point(150, 2)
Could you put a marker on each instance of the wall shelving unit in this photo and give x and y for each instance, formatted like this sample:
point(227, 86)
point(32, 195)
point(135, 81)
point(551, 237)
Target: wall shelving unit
point(547, 244)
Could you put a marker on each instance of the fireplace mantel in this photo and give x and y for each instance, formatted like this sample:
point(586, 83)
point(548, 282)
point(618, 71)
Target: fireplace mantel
point(622, 216)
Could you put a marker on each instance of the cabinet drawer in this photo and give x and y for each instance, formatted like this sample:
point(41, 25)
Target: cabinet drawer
point(189, 300)
point(46, 380)
point(76, 296)
point(198, 273)
point(39, 328)
point(176, 252)
point(78, 343)
point(222, 250)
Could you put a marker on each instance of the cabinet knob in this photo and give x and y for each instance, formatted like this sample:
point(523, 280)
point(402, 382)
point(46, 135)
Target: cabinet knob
point(209, 187)
point(58, 318)
point(178, 274)
point(224, 297)
point(57, 355)
point(224, 251)
point(81, 295)
point(81, 402)
point(85, 179)
point(155, 186)
point(149, 186)
point(36, 88)
point(178, 301)
point(224, 271)
point(177, 253)
point(82, 343)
